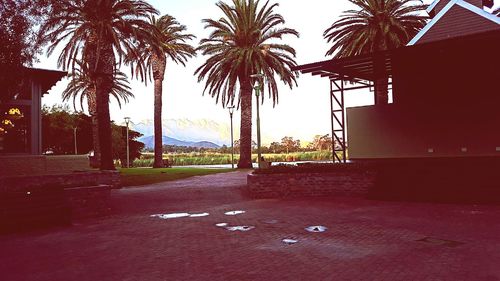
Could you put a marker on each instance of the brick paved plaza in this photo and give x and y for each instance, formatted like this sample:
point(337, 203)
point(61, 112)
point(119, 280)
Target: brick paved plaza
point(365, 240)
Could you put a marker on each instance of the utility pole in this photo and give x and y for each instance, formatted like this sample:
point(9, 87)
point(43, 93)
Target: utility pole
point(127, 121)
point(258, 88)
point(231, 111)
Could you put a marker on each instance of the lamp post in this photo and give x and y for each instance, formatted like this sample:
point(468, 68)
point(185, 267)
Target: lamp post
point(127, 121)
point(231, 111)
point(74, 136)
point(258, 88)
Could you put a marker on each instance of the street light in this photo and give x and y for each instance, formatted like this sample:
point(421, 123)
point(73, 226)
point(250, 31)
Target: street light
point(258, 88)
point(231, 111)
point(127, 121)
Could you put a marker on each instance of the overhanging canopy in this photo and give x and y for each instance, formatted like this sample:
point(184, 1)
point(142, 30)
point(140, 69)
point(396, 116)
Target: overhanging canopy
point(481, 46)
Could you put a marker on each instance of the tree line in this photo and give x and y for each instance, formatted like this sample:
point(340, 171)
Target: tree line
point(60, 125)
point(286, 145)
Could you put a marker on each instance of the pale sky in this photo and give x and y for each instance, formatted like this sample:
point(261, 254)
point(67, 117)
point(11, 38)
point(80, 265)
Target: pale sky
point(302, 112)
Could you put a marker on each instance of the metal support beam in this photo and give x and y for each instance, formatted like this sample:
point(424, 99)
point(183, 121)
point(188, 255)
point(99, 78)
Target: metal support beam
point(338, 121)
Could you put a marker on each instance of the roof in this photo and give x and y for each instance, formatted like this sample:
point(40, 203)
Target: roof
point(362, 67)
point(46, 78)
point(487, 3)
point(453, 4)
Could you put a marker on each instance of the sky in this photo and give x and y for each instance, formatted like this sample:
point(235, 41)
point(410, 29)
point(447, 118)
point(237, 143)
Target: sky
point(302, 112)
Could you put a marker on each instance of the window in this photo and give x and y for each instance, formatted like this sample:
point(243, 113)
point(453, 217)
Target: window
point(15, 133)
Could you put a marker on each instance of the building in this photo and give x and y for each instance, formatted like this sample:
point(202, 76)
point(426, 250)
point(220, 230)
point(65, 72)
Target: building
point(445, 97)
point(439, 139)
point(20, 114)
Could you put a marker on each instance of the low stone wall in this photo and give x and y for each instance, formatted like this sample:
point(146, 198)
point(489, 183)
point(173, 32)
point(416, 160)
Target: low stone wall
point(67, 163)
point(353, 182)
point(15, 165)
point(68, 180)
point(88, 202)
point(86, 194)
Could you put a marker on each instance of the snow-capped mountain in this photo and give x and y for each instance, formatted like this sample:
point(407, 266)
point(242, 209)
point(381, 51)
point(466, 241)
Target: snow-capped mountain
point(187, 131)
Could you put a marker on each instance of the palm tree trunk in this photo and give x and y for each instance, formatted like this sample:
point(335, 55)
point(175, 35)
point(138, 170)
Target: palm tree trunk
point(91, 102)
point(104, 71)
point(158, 162)
point(245, 161)
point(381, 83)
point(158, 67)
point(381, 91)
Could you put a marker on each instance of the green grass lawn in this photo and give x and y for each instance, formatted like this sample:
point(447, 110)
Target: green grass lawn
point(142, 176)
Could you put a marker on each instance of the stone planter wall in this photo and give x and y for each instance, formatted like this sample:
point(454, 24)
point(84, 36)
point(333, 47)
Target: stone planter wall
point(68, 180)
point(86, 194)
point(88, 202)
point(335, 183)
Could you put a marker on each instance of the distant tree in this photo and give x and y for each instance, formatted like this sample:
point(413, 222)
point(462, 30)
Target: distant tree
point(58, 123)
point(19, 22)
point(289, 144)
point(119, 137)
point(275, 147)
point(225, 149)
point(321, 142)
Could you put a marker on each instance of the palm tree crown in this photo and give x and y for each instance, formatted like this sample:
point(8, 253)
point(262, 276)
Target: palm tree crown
point(378, 25)
point(82, 23)
point(167, 40)
point(80, 85)
point(243, 43)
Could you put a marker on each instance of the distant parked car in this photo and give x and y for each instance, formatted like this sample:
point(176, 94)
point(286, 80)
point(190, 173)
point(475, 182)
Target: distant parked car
point(48, 152)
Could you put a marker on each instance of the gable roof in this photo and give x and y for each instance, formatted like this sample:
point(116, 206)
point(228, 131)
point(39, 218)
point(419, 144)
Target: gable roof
point(453, 4)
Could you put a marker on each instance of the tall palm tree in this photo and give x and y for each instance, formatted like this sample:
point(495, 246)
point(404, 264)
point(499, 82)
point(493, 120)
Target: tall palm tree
point(378, 25)
point(82, 86)
point(245, 42)
point(169, 41)
point(101, 33)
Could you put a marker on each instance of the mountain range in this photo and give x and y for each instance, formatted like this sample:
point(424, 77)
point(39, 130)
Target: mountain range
point(186, 132)
point(149, 142)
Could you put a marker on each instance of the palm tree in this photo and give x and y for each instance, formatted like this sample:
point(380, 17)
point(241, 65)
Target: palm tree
point(82, 86)
point(245, 42)
point(169, 41)
point(378, 25)
point(100, 33)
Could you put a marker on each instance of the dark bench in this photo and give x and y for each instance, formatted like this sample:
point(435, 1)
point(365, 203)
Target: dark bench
point(26, 210)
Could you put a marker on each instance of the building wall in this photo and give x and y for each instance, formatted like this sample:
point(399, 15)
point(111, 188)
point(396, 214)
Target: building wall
point(446, 104)
point(398, 131)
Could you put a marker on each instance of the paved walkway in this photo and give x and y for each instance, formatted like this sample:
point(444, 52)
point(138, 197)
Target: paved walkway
point(365, 240)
